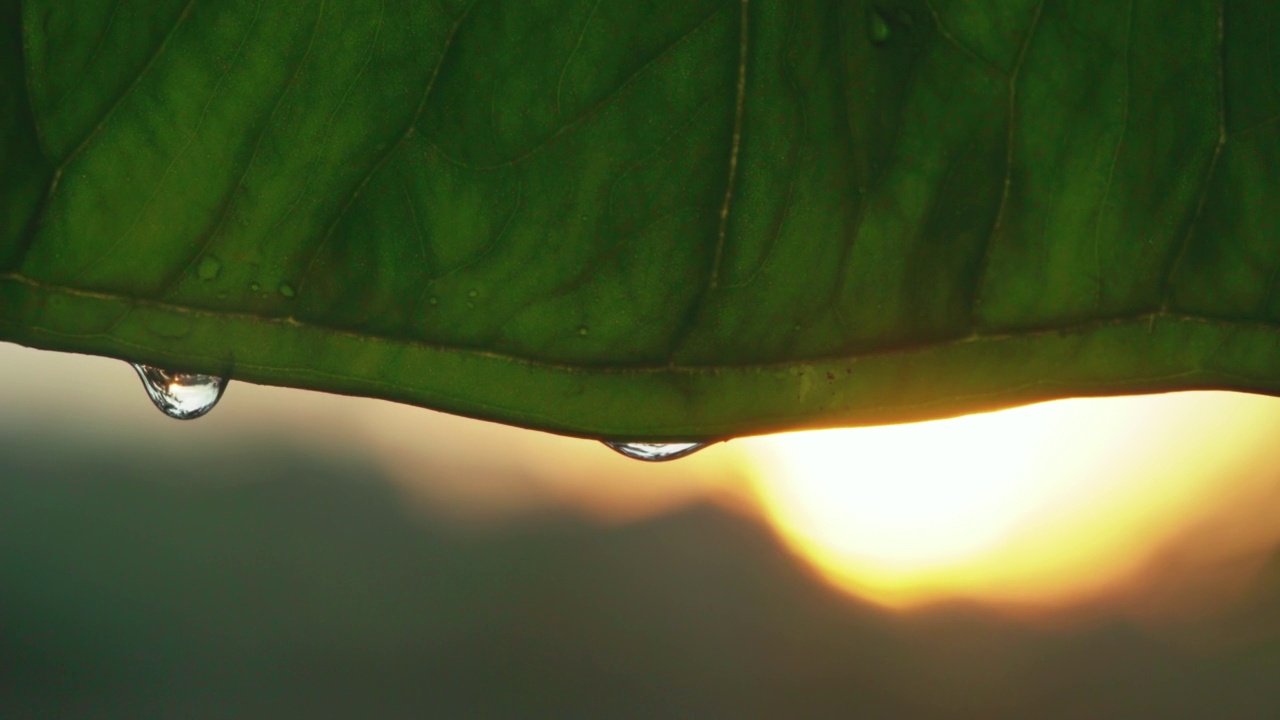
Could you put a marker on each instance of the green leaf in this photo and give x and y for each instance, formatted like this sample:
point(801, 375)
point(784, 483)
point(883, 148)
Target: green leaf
point(651, 220)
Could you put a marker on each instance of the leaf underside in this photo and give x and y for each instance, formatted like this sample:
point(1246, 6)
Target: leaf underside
point(651, 220)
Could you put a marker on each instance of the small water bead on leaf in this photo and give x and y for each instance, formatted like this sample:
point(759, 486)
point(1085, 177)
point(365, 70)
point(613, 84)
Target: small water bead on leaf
point(182, 396)
point(286, 290)
point(655, 452)
point(209, 268)
point(877, 27)
point(254, 287)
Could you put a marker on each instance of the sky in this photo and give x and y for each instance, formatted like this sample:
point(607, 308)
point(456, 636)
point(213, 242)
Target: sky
point(1077, 506)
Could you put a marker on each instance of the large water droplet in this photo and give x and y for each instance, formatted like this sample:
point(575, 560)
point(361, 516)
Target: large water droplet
point(656, 452)
point(184, 396)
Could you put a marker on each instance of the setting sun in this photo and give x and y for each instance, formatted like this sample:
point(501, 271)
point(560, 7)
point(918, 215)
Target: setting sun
point(1036, 504)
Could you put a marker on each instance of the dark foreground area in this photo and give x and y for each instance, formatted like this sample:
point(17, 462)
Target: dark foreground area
point(266, 582)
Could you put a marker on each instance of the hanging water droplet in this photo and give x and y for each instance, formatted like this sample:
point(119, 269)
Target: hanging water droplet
point(209, 268)
point(183, 396)
point(877, 27)
point(656, 452)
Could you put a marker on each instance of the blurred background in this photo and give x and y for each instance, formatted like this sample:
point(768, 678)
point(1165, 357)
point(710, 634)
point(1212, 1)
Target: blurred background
point(295, 554)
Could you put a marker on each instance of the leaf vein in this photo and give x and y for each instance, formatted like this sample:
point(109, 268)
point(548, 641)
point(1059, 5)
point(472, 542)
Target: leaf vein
point(735, 141)
point(223, 212)
point(186, 145)
point(115, 105)
point(599, 108)
point(564, 69)
point(381, 161)
point(788, 198)
point(1166, 286)
point(1025, 333)
point(1115, 156)
point(1011, 125)
point(93, 56)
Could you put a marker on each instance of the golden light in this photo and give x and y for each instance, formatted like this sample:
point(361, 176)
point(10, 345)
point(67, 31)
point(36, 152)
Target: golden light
point(1044, 505)
point(1037, 504)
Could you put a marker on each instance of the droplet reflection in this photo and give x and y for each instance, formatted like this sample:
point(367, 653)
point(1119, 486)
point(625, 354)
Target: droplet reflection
point(183, 396)
point(656, 452)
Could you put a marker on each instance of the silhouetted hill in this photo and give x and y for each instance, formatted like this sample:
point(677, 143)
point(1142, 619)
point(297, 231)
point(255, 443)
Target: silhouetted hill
point(269, 582)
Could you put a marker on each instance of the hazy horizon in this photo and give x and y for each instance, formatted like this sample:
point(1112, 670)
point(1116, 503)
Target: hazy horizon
point(297, 552)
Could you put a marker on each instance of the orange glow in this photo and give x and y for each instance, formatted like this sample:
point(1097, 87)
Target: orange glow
point(1118, 503)
point(1042, 504)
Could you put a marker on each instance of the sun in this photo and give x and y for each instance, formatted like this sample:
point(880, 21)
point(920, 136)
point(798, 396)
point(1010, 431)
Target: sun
point(1035, 503)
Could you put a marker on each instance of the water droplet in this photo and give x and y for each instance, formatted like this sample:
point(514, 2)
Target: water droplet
point(209, 268)
point(184, 396)
point(877, 27)
point(582, 330)
point(254, 287)
point(656, 452)
point(473, 293)
point(286, 290)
